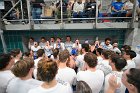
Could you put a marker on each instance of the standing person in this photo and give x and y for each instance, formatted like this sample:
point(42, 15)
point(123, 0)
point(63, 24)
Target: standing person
point(98, 53)
point(65, 73)
point(82, 87)
point(35, 48)
point(47, 70)
point(52, 41)
point(129, 55)
point(54, 55)
point(23, 70)
point(17, 54)
point(130, 78)
point(37, 9)
point(117, 63)
point(48, 49)
point(59, 44)
point(68, 44)
point(93, 77)
point(42, 43)
point(80, 63)
point(31, 42)
point(77, 45)
point(106, 45)
point(6, 62)
point(115, 48)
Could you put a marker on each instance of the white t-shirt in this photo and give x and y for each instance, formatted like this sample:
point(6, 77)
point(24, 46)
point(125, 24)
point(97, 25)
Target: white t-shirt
point(107, 47)
point(80, 63)
point(5, 77)
point(116, 50)
point(59, 88)
point(93, 79)
point(42, 45)
point(48, 50)
point(99, 59)
point(79, 46)
point(68, 46)
point(35, 49)
point(22, 86)
point(119, 76)
point(130, 64)
point(137, 60)
point(36, 61)
point(66, 74)
point(58, 46)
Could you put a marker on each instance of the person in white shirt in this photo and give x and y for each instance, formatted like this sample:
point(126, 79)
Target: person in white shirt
point(17, 54)
point(52, 41)
point(35, 48)
point(129, 55)
point(137, 60)
point(77, 45)
point(54, 55)
point(80, 63)
point(65, 73)
point(106, 45)
point(68, 44)
point(98, 53)
point(93, 77)
point(6, 62)
point(60, 45)
point(117, 63)
point(47, 71)
point(128, 7)
point(31, 42)
point(40, 55)
point(42, 43)
point(23, 70)
point(48, 49)
point(104, 65)
point(115, 48)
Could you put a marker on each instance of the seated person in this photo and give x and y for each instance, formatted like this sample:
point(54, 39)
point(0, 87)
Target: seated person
point(128, 6)
point(90, 8)
point(117, 9)
point(78, 9)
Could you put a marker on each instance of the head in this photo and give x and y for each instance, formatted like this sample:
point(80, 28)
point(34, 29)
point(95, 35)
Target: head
point(26, 55)
point(5, 61)
point(68, 38)
point(64, 56)
point(35, 44)
point(130, 54)
point(106, 54)
point(58, 40)
point(52, 39)
point(31, 39)
point(90, 59)
point(107, 41)
point(55, 52)
point(23, 68)
point(43, 39)
point(131, 79)
point(47, 43)
point(117, 62)
point(115, 44)
point(125, 48)
point(83, 87)
point(41, 53)
point(85, 47)
point(16, 53)
point(99, 51)
point(47, 70)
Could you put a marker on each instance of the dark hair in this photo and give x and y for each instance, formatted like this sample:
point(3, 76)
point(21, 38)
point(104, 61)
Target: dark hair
point(107, 39)
point(53, 38)
point(58, 38)
point(90, 59)
point(26, 54)
point(131, 53)
point(133, 77)
point(64, 55)
point(15, 52)
point(83, 87)
point(43, 38)
point(31, 38)
point(86, 47)
point(106, 54)
point(55, 52)
point(69, 37)
point(99, 50)
point(4, 60)
point(126, 47)
point(40, 52)
point(118, 61)
point(22, 67)
point(47, 70)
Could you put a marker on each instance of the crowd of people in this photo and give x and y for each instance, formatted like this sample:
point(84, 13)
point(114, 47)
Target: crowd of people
point(57, 67)
point(77, 9)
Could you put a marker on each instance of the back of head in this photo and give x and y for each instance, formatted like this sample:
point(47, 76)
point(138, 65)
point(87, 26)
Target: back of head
point(55, 52)
point(106, 54)
point(107, 39)
point(99, 50)
point(22, 67)
point(133, 77)
point(63, 56)
point(47, 70)
point(40, 52)
point(118, 61)
point(85, 47)
point(90, 59)
point(15, 52)
point(83, 87)
point(4, 60)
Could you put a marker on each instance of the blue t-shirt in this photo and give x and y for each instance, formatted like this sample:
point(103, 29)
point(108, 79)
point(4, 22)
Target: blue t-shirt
point(117, 5)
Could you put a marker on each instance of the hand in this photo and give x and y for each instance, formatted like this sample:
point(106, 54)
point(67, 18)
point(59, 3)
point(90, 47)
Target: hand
point(42, 4)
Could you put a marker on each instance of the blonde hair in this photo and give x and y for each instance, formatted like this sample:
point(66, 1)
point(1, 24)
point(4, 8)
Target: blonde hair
point(22, 67)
